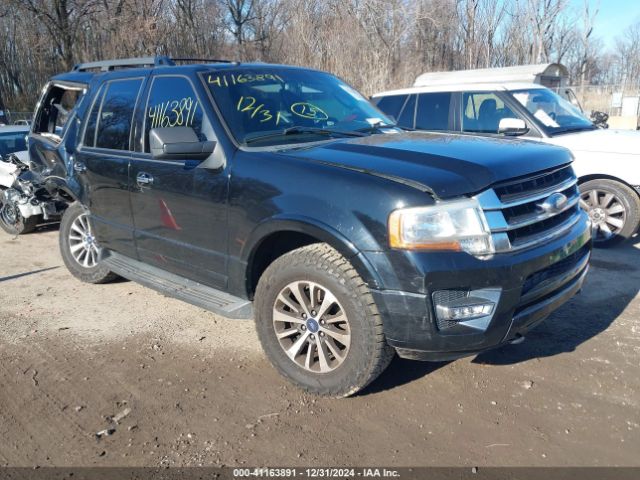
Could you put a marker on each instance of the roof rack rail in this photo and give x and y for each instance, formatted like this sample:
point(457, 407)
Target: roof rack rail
point(202, 60)
point(141, 62)
point(108, 65)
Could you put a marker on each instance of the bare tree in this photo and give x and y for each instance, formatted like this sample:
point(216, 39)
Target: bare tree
point(241, 13)
point(62, 19)
point(585, 37)
point(373, 44)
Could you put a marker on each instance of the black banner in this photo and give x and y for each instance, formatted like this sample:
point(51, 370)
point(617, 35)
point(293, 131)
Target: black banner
point(404, 473)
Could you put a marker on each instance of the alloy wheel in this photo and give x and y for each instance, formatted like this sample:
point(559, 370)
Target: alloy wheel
point(311, 326)
point(9, 214)
point(82, 243)
point(607, 212)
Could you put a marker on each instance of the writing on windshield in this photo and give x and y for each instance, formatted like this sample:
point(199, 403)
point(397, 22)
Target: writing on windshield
point(260, 103)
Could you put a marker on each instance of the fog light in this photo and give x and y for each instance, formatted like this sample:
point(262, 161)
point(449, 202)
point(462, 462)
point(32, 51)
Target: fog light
point(469, 308)
point(465, 312)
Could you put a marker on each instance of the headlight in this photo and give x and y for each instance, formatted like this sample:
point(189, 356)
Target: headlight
point(458, 225)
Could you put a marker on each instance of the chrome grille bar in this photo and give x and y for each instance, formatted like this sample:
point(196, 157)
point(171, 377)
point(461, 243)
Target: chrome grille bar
point(531, 219)
point(518, 223)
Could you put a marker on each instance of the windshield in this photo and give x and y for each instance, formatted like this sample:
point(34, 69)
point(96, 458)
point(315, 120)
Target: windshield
point(12, 142)
point(553, 111)
point(261, 105)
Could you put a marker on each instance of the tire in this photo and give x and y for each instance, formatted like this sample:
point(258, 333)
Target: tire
point(13, 223)
point(78, 247)
point(355, 350)
point(614, 209)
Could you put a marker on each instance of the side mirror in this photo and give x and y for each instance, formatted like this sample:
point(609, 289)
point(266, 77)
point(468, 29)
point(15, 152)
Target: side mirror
point(178, 143)
point(512, 126)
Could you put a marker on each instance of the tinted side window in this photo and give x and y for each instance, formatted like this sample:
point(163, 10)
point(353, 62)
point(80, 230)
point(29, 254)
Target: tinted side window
point(116, 115)
point(433, 111)
point(172, 103)
point(392, 104)
point(408, 113)
point(482, 112)
point(92, 120)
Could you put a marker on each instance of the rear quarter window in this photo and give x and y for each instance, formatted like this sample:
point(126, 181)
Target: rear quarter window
point(92, 119)
point(56, 108)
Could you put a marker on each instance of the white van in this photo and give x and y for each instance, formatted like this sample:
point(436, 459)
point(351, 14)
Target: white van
point(607, 162)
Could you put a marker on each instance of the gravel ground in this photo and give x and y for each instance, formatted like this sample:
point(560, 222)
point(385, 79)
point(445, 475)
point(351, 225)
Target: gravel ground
point(120, 375)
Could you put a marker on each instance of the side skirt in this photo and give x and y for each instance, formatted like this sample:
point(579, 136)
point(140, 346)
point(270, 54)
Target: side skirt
point(172, 285)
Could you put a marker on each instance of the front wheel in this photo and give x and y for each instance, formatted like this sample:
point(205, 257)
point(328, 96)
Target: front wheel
point(79, 248)
point(12, 221)
point(614, 209)
point(318, 323)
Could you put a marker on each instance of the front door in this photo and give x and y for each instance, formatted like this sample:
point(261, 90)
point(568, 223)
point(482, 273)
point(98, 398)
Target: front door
point(179, 207)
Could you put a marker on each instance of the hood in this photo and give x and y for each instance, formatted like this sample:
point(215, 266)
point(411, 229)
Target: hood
point(447, 165)
point(600, 140)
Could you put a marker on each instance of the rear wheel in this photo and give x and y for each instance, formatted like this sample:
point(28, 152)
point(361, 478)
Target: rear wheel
point(79, 248)
point(318, 323)
point(12, 221)
point(614, 209)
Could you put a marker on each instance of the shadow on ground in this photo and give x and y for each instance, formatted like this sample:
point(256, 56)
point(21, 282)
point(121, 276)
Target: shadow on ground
point(25, 274)
point(401, 372)
point(586, 315)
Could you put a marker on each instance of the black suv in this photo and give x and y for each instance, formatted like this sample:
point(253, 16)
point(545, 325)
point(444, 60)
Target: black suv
point(280, 193)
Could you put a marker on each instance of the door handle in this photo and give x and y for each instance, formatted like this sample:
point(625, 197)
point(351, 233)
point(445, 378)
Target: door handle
point(79, 167)
point(144, 179)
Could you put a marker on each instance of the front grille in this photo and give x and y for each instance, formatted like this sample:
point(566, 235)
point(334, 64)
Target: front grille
point(524, 234)
point(513, 190)
point(515, 213)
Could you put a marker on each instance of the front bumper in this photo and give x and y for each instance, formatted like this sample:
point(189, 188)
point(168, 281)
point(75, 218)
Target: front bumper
point(534, 283)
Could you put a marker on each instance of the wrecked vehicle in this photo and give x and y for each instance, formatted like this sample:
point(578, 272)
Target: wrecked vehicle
point(33, 182)
point(282, 194)
point(28, 197)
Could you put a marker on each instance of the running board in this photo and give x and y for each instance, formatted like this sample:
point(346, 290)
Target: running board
point(172, 285)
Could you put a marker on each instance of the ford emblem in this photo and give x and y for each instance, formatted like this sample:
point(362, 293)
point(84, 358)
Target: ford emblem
point(554, 203)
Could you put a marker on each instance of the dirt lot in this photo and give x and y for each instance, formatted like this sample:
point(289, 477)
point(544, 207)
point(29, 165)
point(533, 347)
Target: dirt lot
point(192, 388)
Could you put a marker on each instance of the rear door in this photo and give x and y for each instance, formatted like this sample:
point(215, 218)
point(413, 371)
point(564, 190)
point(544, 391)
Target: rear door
point(102, 163)
point(179, 207)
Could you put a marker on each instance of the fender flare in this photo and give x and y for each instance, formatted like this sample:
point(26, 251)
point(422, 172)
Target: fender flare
point(312, 227)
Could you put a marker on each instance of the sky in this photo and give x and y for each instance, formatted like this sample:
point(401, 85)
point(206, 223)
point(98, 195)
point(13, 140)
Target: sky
point(613, 18)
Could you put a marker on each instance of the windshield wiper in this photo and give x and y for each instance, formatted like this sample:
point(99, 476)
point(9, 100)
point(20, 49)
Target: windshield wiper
point(296, 129)
point(380, 124)
point(575, 129)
